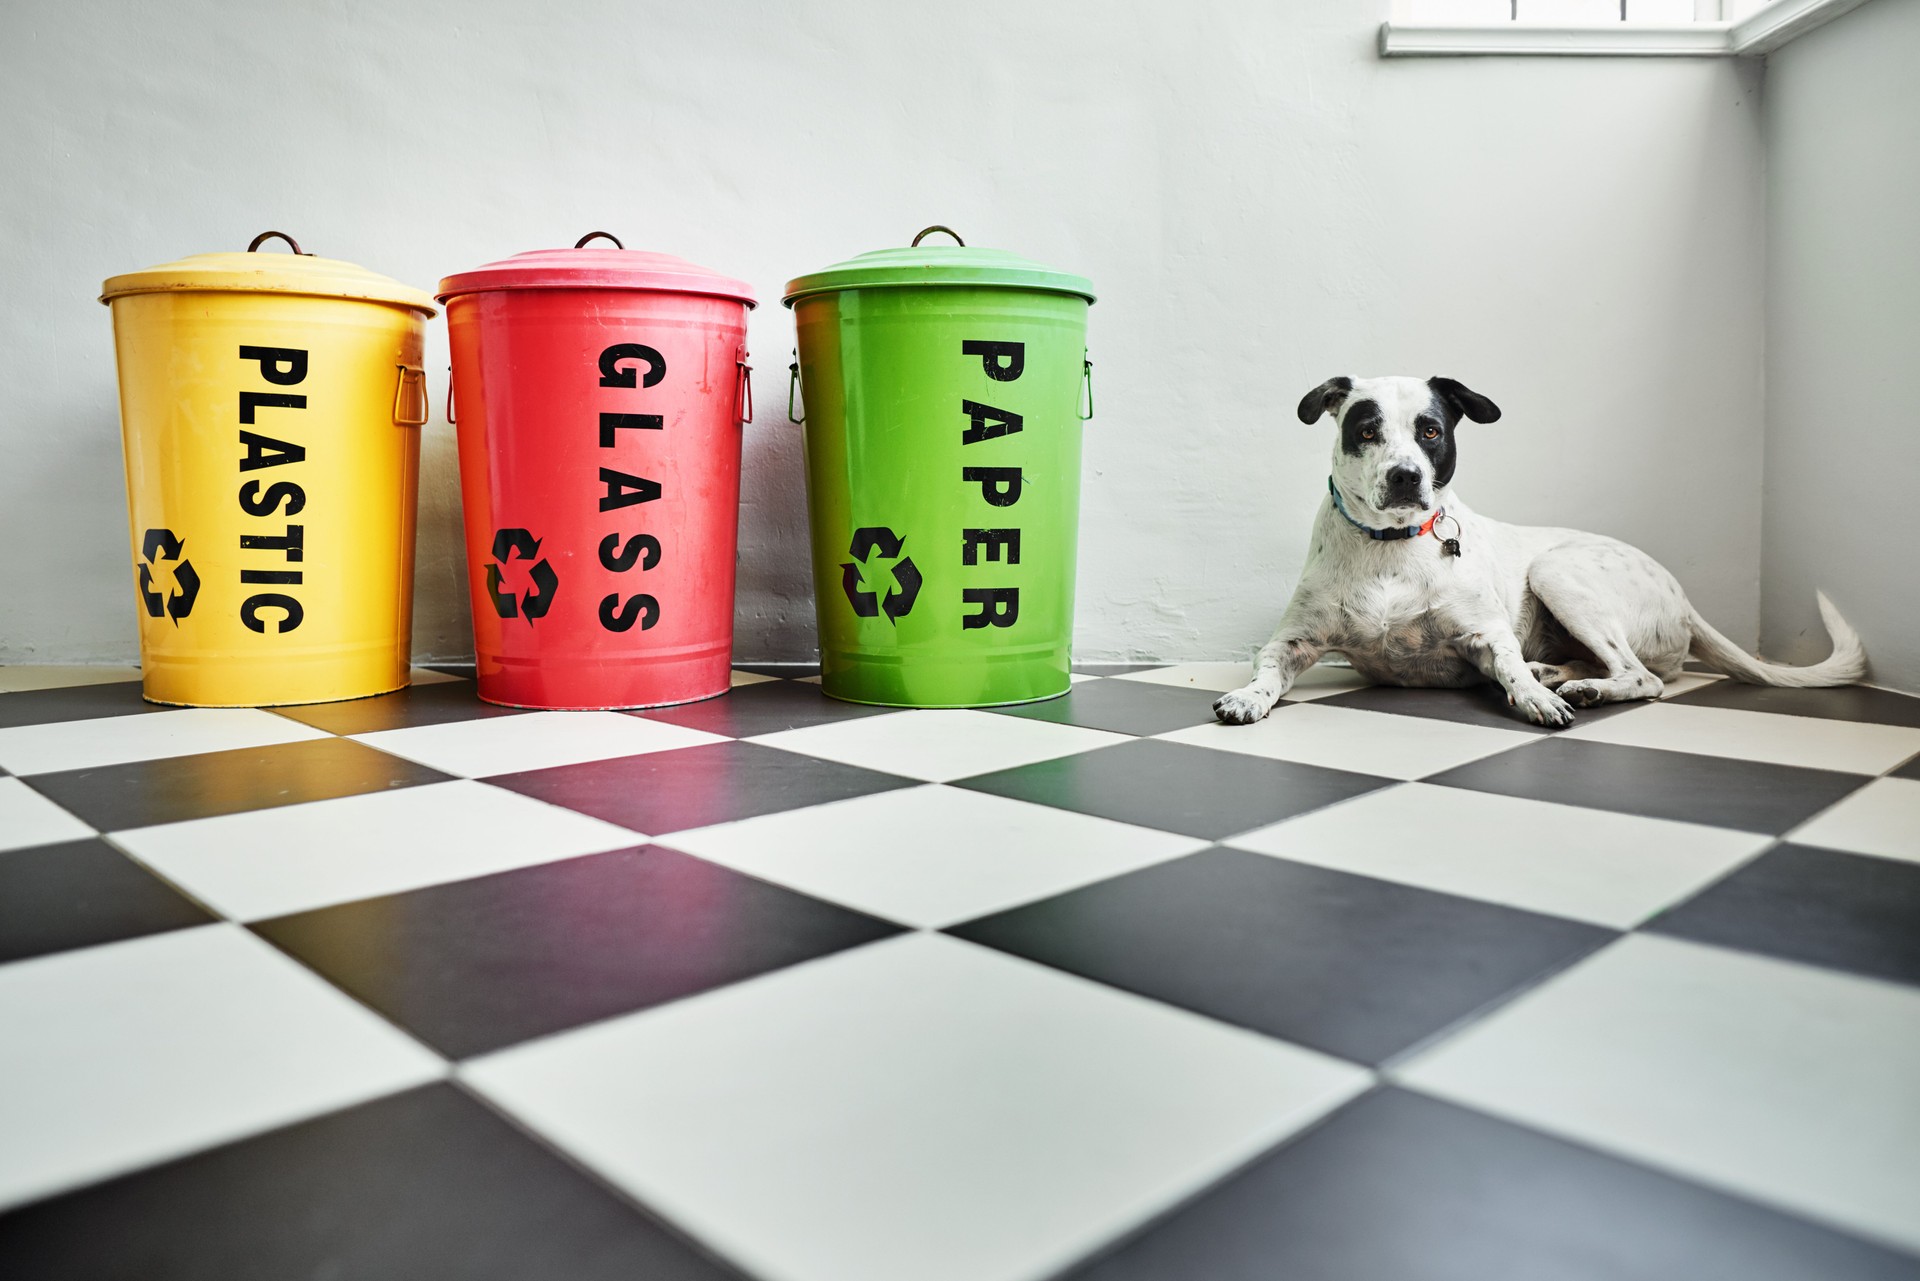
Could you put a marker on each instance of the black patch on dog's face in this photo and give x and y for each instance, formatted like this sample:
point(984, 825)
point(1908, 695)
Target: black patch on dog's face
point(1438, 418)
point(1362, 416)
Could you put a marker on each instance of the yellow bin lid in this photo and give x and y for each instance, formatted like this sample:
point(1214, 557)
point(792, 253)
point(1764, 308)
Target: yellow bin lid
point(255, 272)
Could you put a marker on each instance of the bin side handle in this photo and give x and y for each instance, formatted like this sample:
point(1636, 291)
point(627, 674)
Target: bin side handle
point(451, 420)
point(793, 389)
point(404, 414)
point(743, 394)
point(1086, 374)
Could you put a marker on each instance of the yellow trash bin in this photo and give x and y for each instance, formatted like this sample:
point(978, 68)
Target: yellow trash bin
point(270, 406)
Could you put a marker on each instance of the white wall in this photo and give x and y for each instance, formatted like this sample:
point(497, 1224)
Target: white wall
point(1843, 318)
point(1261, 202)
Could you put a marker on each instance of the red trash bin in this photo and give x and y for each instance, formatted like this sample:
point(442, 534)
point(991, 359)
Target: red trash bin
point(599, 395)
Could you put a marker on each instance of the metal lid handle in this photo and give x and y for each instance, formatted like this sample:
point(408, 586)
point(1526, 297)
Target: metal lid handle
point(598, 235)
point(937, 227)
point(253, 246)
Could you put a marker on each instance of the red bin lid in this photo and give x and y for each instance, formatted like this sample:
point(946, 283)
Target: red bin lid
point(582, 267)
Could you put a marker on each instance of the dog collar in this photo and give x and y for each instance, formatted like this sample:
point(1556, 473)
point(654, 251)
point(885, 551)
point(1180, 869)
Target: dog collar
point(1383, 535)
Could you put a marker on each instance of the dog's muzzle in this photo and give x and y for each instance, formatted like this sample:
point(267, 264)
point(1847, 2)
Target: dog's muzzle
point(1402, 488)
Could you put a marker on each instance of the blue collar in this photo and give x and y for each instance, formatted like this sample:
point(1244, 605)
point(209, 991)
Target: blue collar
point(1382, 535)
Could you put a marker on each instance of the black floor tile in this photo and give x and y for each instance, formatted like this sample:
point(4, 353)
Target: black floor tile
point(74, 703)
point(1353, 966)
point(480, 964)
point(763, 708)
point(1910, 770)
point(435, 704)
point(1476, 705)
point(672, 791)
point(423, 1184)
point(1751, 796)
point(1398, 1187)
point(79, 893)
point(1123, 707)
point(1845, 703)
point(1196, 791)
point(1845, 911)
point(171, 790)
point(462, 670)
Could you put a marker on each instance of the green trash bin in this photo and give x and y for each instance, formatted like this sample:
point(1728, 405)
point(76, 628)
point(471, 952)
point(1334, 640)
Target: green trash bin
point(943, 393)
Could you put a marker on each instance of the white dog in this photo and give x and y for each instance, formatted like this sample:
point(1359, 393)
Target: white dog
point(1415, 589)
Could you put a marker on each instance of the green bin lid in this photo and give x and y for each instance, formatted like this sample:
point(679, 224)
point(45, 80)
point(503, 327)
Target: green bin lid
point(938, 264)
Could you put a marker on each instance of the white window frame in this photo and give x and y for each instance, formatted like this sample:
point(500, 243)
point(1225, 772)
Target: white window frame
point(1760, 32)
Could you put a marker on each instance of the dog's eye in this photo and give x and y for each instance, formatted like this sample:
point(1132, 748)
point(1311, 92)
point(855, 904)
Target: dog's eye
point(1366, 433)
point(1430, 433)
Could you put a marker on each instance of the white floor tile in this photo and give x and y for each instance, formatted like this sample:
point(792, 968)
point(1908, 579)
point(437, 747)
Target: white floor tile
point(939, 746)
point(23, 677)
point(1592, 865)
point(916, 1109)
point(740, 678)
point(931, 856)
point(1881, 818)
point(1363, 742)
point(28, 818)
point(535, 740)
point(115, 740)
point(274, 861)
point(116, 1057)
point(1686, 683)
point(1319, 681)
point(1322, 681)
point(1218, 677)
point(427, 676)
point(1851, 746)
point(1782, 1082)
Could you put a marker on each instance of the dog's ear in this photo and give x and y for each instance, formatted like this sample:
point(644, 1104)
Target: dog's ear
point(1326, 398)
point(1465, 401)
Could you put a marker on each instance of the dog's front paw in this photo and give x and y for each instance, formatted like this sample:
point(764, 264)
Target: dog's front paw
point(1543, 707)
point(1243, 706)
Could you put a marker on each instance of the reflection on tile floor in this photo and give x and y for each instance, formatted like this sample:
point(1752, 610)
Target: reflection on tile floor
point(1390, 986)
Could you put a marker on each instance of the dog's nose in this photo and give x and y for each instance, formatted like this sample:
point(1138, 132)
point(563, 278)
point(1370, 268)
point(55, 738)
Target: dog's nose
point(1404, 477)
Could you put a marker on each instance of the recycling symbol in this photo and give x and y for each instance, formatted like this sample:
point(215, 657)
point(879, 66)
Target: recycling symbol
point(157, 545)
point(905, 574)
point(531, 604)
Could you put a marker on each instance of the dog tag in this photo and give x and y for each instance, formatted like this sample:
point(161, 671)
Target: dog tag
point(1450, 546)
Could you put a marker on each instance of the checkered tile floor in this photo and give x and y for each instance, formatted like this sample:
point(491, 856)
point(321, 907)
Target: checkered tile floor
point(1388, 986)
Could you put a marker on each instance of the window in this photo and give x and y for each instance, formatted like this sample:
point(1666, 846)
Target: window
point(1560, 12)
point(1673, 28)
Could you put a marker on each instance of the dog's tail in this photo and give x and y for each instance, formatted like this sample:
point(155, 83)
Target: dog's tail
point(1847, 663)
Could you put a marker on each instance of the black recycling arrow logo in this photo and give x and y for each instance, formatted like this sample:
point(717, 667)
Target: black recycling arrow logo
point(157, 545)
point(906, 575)
point(531, 604)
